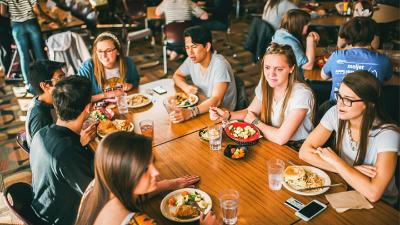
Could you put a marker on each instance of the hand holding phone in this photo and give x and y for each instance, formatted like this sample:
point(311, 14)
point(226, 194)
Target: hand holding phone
point(311, 210)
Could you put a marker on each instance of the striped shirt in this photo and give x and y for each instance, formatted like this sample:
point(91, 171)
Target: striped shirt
point(20, 10)
point(179, 10)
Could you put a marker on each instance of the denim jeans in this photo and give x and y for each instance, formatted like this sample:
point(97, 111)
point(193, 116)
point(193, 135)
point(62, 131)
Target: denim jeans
point(27, 34)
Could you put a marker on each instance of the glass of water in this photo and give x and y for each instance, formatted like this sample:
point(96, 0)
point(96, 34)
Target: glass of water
point(229, 201)
point(122, 103)
point(275, 173)
point(215, 137)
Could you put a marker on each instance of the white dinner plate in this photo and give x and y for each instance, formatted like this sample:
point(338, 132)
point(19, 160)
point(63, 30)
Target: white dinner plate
point(192, 103)
point(320, 173)
point(141, 104)
point(166, 209)
point(130, 129)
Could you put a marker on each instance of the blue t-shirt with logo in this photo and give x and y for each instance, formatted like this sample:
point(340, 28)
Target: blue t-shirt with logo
point(342, 62)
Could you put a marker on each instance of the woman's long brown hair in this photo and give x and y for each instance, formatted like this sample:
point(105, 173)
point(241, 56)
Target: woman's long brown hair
point(368, 88)
point(120, 161)
point(293, 21)
point(268, 92)
point(99, 71)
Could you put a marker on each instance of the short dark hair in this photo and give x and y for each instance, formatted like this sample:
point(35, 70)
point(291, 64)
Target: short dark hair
point(358, 31)
point(199, 35)
point(41, 71)
point(70, 97)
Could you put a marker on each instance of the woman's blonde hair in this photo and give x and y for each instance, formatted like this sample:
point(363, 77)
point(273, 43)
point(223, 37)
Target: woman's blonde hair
point(99, 72)
point(268, 92)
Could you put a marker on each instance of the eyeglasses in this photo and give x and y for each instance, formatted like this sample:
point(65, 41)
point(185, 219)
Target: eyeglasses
point(107, 51)
point(54, 80)
point(347, 102)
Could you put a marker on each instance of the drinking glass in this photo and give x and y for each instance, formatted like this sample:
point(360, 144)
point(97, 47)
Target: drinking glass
point(147, 128)
point(122, 103)
point(229, 201)
point(275, 173)
point(170, 104)
point(215, 137)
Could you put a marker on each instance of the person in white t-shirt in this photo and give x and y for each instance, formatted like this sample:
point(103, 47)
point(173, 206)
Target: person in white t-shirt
point(283, 107)
point(367, 143)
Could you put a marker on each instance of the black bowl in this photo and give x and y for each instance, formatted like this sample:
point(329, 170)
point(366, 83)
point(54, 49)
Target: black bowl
point(227, 151)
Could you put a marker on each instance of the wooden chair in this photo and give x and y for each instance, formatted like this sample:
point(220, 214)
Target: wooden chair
point(173, 38)
point(18, 197)
point(21, 141)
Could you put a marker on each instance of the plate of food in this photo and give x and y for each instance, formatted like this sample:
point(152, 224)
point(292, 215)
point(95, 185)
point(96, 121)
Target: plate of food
point(300, 177)
point(185, 205)
point(185, 100)
point(242, 132)
point(236, 152)
point(108, 126)
point(138, 100)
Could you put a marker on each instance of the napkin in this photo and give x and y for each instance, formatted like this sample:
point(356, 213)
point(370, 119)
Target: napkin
point(344, 201)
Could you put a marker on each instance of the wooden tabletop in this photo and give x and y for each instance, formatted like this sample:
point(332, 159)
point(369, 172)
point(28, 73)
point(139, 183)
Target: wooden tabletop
point(151, 13)
point(164, 130)
point(258, 204)
point(65, 19)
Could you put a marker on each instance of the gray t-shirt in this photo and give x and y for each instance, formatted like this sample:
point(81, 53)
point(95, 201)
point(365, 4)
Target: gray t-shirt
point(380, 140)
point(275, 14)
point(300, 98)
point(219, 70)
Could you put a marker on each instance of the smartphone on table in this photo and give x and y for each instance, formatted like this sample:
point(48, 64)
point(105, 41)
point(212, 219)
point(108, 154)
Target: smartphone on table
point(311, 210)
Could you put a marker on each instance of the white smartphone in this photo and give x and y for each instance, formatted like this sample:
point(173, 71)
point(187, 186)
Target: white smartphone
point(311, 210)
point(159, 90)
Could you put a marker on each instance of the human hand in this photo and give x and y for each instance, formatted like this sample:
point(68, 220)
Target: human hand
point(113, 94)
point(328, 155)
point(190, 89)
point(314, 36)
point(209, 219)
point(367, 170)
point(217, 113)
point(127, 87)
point(88, 134)
point(185, 181)
point(250, 117)
point(180, 115)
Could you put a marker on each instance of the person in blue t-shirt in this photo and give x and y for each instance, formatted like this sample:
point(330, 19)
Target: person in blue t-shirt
point(109, 70)
point(358, 33)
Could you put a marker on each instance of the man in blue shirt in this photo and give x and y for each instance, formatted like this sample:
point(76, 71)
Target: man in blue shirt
point(358, 33)
point(61, 167)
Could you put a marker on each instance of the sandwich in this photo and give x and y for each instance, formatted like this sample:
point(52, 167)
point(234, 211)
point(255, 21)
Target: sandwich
point(295, 176)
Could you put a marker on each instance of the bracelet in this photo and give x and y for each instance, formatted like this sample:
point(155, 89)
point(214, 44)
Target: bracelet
point(229, 115)
point(255, 121)
point(193, 111)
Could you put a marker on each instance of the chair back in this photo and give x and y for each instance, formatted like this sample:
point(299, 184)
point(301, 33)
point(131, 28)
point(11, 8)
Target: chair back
point(242, 101)
point(173, 32)
point(391, 104)
point(22, 142)
point(18, 197)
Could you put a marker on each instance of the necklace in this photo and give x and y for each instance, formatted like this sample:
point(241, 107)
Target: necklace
point(353, 143)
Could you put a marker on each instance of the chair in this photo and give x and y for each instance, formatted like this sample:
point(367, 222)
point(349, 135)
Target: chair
point(134, 9)
point(136, 35)
point(173, 38)
point(21, 141)
point(391, 94)
point(18, 197)
point(242, 100)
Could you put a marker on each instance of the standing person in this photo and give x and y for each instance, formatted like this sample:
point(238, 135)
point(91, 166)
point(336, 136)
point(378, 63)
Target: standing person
point(211, 74)
point(61, 167)
point(293, 31)
point(358, 33)
point(115, 200)
point(367, 143)
point(26, 31)
point(283, 107)
point(109, 70)
point(5, 44)
point(362, 8)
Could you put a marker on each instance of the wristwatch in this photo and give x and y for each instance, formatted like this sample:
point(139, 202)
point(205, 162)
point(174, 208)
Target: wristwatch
point(256, 121)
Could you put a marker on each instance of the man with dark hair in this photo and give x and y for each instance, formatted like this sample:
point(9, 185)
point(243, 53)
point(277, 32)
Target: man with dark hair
point(210, 72)
point(61, 167)
point(358, 34)
point(43, 75)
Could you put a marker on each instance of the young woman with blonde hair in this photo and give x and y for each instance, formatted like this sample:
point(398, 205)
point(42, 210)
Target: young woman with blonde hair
point(110, 71)
point(122, 174)
point(283, 106)
point(367, 143)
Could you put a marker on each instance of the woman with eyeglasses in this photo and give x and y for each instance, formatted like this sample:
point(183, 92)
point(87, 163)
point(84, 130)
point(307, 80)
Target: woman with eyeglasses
point(124, 171)
point(367, 143)
point(283, 107)
point(110, 71)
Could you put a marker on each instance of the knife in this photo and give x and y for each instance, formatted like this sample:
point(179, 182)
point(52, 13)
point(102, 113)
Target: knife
point(312, 188)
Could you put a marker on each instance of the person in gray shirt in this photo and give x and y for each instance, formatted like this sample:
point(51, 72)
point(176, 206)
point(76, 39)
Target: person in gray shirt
point(210, 72)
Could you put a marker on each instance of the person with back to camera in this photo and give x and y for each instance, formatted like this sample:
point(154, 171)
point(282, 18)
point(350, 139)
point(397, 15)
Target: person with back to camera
point(284, 105)
point(122, 174)
point(109, 70)
point(367, 142)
